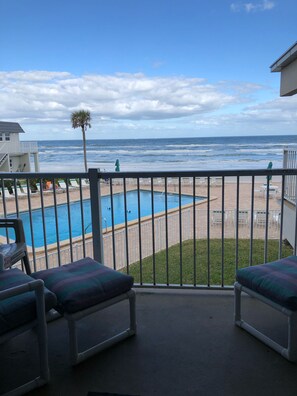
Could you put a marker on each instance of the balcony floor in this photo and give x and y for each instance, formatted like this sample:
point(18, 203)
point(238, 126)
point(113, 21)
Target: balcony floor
point(187, 344)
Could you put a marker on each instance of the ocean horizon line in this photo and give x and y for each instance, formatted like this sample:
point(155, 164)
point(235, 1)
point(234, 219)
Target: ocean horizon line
point(165, 138)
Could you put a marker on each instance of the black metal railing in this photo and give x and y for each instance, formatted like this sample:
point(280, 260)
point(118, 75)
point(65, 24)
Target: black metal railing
point(162, 244)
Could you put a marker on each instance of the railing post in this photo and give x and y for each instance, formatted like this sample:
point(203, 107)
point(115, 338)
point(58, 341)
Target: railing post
point(95, 198)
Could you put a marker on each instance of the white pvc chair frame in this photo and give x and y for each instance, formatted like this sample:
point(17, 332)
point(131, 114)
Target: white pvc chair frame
point(38, 287)
point(76, 356)
point(290, 353)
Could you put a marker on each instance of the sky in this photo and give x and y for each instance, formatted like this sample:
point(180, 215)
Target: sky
point(146, 68)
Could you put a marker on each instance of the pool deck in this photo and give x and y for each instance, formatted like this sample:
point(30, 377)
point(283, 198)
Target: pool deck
point(230, 204)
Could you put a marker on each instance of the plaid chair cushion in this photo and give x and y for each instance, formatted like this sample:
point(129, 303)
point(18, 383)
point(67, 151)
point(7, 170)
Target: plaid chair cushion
point(276, 280)
point(84, 283)
point(19, 310)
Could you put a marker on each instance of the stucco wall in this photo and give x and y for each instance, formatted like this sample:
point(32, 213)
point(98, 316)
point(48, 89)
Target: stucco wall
point(289, 79)
point(289, 220)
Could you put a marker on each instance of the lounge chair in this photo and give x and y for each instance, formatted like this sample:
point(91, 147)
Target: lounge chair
point(260, 218)
point(74, 183)
point(85, 183)
point(19, 192)
point(7, 194)
point(62, 184)
point(201, 181)
point(217, 217)
point(216, 181)
point(243, 217)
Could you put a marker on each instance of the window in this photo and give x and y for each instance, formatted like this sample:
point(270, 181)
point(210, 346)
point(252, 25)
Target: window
point(1, 137)
point(7, 137)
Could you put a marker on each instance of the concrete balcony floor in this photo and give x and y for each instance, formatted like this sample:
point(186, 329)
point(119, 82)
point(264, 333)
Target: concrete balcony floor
point(186, 344)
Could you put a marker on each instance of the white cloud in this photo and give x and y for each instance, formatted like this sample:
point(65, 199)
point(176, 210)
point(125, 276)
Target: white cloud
point(135, 105)
point(264, 5)
point(278, 116)
point(52, 96)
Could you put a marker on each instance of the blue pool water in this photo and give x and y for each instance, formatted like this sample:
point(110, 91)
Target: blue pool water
point(76, 220)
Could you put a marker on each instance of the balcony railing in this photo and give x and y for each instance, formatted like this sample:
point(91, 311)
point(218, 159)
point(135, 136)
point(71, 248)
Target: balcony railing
point(290, 162)
point(179, 229)
point(18, 147)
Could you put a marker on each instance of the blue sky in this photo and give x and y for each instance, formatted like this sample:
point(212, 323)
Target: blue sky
point(146, 68)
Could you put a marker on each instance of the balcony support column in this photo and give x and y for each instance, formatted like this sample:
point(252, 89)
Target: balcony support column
point(95, 198)
point(36, 162)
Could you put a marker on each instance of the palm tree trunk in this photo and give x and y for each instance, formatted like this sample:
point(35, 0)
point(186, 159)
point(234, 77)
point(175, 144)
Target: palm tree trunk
point(85, 149)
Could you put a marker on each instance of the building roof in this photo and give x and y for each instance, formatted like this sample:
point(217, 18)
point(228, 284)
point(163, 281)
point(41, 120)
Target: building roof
point(284, 60)
point(10, 127)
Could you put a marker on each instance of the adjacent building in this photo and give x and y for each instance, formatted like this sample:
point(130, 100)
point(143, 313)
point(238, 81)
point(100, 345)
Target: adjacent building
point(286, 64)
point(16, 156)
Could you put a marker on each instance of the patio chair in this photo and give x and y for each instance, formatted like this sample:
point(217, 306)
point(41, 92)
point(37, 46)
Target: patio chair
point(85, 183)
point(17, 250)
point(7, 194)
point(243, 217)
point(216, 181)
point(62, 184)
point(91, 287)
point(217, 217)
point(19, 192)
point(201, 181)
point(274, 284)
point(74, 183)
point(260, 218)
point(23, 305)
point(82, 288)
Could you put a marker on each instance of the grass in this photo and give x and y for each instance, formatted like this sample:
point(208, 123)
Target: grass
point(201, 274)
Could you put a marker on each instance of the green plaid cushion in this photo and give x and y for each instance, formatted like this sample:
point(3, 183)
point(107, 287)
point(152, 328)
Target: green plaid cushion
point(19, 310)
point(276, 280)
point(84, 283)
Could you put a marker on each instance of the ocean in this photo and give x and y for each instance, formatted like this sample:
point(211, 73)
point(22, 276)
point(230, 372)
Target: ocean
point(244, 152)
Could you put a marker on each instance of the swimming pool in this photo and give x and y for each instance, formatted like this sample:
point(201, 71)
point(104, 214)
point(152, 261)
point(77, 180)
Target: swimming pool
point(76, 220)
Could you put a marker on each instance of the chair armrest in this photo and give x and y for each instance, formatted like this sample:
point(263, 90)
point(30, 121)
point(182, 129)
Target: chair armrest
point(17, 225)
point(36, 285)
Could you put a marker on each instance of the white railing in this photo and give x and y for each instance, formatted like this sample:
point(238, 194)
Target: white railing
point(18, 147)
point(290, 162)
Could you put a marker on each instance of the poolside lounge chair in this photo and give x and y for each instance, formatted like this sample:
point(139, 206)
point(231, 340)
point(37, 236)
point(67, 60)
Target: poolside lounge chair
point(85, 183)
point(217, 217)
point(243, 217)
point(216, 181)
point(260, 218)
point(201, 180)
point(62, 184)
point(74, 183)
point(19, 192)
point(7, 193)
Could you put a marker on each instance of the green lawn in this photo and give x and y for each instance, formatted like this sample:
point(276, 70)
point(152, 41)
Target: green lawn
point(215, 275)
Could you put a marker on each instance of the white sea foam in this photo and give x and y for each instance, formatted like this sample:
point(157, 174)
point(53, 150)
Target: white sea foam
point(167, 154)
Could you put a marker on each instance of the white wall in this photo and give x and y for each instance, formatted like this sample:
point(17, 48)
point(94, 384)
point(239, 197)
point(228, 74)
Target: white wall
point(289, 220)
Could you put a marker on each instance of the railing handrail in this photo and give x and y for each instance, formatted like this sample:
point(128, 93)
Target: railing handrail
point(147, 174)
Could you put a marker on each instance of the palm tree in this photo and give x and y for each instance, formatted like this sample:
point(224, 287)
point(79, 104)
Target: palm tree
point(81, 119)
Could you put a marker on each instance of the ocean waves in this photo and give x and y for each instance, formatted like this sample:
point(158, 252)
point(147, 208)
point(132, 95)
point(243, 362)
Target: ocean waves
point(167, 154)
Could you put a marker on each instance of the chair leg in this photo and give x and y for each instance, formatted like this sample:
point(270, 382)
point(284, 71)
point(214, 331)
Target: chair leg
point(237, 304)
point(76, 356)
point(26, 263)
